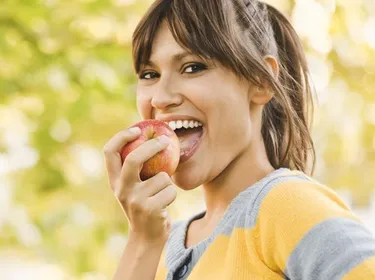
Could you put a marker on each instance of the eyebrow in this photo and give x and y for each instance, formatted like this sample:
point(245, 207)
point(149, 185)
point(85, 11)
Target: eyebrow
point(175, 58)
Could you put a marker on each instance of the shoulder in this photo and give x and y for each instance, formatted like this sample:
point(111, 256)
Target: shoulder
point(288, 209)
point(302, 196)
point(298, 217)
point(291, 195)
point(300, 202)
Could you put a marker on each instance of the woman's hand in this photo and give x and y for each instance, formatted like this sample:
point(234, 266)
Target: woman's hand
point(144, 202)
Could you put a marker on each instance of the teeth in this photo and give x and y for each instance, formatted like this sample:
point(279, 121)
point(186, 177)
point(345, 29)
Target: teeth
point(172, 125)
point(183, 123)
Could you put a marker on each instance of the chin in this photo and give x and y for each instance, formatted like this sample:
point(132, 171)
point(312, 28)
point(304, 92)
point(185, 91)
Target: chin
point(185, 183)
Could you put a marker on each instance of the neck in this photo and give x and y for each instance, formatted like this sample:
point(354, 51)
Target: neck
point(244, 171)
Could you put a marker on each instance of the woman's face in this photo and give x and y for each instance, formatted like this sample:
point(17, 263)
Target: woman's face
point(190, 86)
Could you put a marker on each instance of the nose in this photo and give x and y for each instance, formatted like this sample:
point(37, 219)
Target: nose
point(166, 94)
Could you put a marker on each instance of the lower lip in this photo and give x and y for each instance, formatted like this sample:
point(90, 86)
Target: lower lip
point(193, 149)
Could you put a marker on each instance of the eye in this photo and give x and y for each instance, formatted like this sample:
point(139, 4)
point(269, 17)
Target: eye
point(195, 68)
point(148, 75)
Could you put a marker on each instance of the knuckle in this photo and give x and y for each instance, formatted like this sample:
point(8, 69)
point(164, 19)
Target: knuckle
point(171, 190)
point(120, 195)
point(174, 191)
point(149, 211)
point(158, 179)
point(117, 191)
point(164, 176)
point(133, 201)
point(106, 150)
point(131, 160)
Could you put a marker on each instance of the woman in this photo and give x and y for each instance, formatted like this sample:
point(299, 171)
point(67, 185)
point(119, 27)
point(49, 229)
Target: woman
point(238, 68)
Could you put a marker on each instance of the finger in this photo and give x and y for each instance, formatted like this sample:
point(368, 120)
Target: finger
point(135, 159)
point(155, 184)
point(112, 150)
point(163, 199)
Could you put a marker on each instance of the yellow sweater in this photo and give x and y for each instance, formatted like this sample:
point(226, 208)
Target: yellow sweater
point(286, 226)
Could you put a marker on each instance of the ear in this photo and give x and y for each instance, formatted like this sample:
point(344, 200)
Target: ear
point(272, 65)
point(261, 95)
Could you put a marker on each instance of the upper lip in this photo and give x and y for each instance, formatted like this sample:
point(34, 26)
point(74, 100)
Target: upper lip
point(176, 118)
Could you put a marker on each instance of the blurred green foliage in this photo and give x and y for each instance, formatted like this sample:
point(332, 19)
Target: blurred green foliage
point(67, 85)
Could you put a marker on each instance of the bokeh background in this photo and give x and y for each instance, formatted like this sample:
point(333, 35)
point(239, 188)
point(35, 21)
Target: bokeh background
point(67, 86)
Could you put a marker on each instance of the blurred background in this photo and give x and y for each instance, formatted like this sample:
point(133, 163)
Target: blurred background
point(67, 86)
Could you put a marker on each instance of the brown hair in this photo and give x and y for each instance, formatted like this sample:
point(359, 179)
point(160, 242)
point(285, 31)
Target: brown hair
point(238, 34)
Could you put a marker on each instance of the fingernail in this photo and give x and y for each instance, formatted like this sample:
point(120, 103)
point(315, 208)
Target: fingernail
point(164, 139)
point(134, 130)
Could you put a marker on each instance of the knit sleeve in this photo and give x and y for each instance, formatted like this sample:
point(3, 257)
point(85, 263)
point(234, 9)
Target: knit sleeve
point(306, 232)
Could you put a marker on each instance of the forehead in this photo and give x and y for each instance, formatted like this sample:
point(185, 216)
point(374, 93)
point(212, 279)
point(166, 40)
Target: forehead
point(164, 43)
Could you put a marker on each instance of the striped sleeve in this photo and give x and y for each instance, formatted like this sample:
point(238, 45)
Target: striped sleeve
point(306, 232)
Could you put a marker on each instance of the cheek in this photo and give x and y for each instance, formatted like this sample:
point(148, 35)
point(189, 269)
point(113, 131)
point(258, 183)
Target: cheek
point(232, 115)
point(201, 90)
point(143, 105)
point(243, 124)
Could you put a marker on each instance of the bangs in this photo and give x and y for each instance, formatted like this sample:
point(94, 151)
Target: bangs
point(202, 28)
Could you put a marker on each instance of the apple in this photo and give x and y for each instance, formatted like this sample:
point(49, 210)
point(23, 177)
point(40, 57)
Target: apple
point(166, 160)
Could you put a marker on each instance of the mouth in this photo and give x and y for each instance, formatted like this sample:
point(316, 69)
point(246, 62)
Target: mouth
point(190, 138)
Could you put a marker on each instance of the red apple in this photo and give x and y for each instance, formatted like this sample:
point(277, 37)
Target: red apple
point(166, 160)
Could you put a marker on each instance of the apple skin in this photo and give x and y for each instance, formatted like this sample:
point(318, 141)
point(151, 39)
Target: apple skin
point(166, 160)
